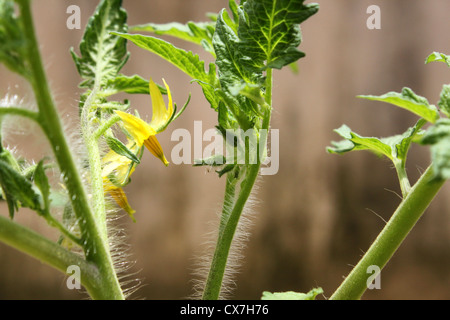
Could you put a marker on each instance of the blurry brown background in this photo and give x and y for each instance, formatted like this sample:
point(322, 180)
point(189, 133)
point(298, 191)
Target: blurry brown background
point(316, 216)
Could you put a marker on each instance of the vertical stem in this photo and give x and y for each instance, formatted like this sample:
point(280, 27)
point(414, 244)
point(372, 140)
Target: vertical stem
point(219, 262)
point(96, 248)
point(95, 166)
point(218, 265)
point(230, 195)
point(391, 237)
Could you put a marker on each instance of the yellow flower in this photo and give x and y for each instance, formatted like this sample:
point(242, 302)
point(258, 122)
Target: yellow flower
point(121, 199)
point(122, 166)
point(119, 168)
point(144, 133)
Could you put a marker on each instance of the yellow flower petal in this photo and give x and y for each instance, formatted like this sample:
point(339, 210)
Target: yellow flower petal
point(120, 197)
point(161, 115)
point(154, 147)
point(120, 165)
point(170, 104)
point(138, 128)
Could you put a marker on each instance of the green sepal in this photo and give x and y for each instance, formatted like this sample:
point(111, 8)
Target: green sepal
point(118, 147)
point(408, 100)
point(291, 295)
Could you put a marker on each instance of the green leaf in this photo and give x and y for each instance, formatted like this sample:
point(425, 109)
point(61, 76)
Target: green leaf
point(408, 100)
point(436, 56)
point(234, 10)
point(17, 189)
point(132, 85)
point(294, 67)
point(401, 143)
point(259, 34)
point(444, 102)
point(269, 31)
point(184, 60)
point(437, 132)
point(356, 142)
point(251, 91)
point(229, 56)
point(438, 136)
point(12, 40)
point(233, 111)
point(102, 53)
point(291, 295)
point(232, 73)
point(41, 181)
point(118, 147)
point(196, 32)
point(395, 147)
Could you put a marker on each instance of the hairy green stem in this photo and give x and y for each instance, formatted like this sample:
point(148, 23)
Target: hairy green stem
point(15, 111)
point(49, 252)
point(385, 245)
point(106, 125)
point(405, 185)
point(52, 221)
point(229, 224)
point(218, 265)
point(95, 245)
point(95, 165)
point(230, 194)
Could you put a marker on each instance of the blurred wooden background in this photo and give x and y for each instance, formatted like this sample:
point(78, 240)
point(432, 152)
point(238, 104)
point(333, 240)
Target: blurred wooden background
point(316, 216)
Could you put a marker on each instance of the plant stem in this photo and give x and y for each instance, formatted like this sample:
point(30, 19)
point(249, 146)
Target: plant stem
point(229, 224)
point(105, 126)
point(405, 186)
point(96, 247)
point(52, 221)
point(230, 194)
point(218, 265)
point(383, 248)
point(47, 251)
point(15, 111)
point(95, 165)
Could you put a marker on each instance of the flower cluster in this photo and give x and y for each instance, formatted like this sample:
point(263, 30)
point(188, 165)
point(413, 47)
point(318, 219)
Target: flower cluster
point(118, 168)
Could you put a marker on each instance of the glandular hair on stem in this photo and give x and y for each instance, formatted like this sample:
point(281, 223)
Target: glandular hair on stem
point(202, 262)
